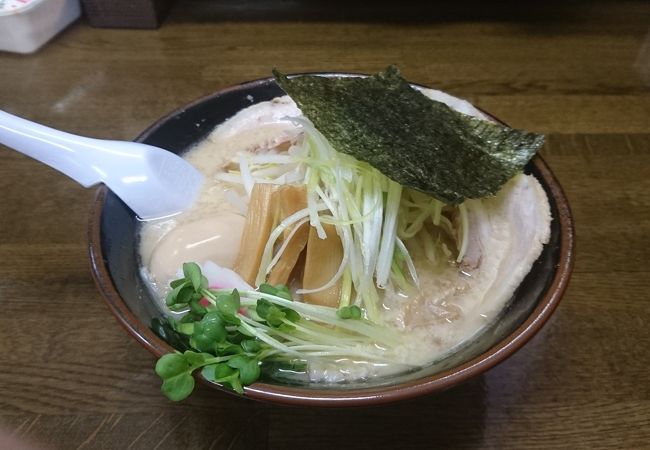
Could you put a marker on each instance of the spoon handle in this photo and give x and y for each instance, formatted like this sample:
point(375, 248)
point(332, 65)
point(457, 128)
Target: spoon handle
point(62, 151)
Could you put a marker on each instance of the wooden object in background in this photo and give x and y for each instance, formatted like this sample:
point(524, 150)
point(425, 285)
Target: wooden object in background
point(126, 13)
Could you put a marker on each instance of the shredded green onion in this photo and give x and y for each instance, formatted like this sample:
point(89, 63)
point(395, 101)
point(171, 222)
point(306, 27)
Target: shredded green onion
point(374, 217)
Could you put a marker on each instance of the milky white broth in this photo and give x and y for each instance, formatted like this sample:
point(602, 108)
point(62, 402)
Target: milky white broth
point(454, 302)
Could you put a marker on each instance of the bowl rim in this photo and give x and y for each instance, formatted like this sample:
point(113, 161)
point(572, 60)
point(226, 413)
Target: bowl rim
point(290, 395)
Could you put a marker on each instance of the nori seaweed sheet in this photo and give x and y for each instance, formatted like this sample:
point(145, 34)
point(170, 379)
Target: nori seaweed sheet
point(416, 141)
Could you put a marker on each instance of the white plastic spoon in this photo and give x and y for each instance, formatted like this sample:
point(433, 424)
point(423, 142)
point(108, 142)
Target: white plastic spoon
point(153, 182)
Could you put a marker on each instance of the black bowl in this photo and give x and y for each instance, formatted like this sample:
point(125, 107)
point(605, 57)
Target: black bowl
point(113, 251)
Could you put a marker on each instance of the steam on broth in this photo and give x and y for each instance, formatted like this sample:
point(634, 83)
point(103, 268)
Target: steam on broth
point(456, 266)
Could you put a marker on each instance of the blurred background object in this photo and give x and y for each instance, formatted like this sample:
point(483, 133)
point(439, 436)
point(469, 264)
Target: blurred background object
point(126, 13)
point(25, 25)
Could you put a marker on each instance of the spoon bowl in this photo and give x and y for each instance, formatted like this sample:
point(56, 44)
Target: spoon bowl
point(153, 182)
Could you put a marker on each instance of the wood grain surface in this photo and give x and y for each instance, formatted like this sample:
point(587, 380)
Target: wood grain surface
point(71, 378)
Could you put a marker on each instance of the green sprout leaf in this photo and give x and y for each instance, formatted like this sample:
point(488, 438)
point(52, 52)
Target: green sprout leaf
point(186, 328)
point(211, 326)
point(292, 315)
point(228, 304)
point(275, 316)
point(176, 283)
point(267, 289)
point(195, 305)
point(286, 328)
point(196, 359)
point(349, 312)
point(175, 370)
point(227, 348)
point(192, 272)
point(282, 291)
point(185, 294)
point(249, 368)
point(172, 364)
point(179, 387)
point(173, 295)
point(285, 295)
point(263, 307)
point(209, 331)
point(170, 299)
point(224, 374)
point(251, 346)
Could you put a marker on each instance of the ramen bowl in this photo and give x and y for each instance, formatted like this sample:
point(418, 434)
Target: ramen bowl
point(114, 257)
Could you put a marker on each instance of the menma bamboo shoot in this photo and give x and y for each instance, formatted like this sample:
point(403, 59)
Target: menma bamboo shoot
point(262, 215)
point(321, 264)
point(292, 198)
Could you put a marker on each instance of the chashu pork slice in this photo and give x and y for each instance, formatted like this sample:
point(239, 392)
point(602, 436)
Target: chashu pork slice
point(506, 235)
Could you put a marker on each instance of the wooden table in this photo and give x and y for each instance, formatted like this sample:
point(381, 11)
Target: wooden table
point(70, 377)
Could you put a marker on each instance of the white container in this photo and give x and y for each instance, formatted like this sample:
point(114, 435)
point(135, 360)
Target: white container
point(25, 25)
